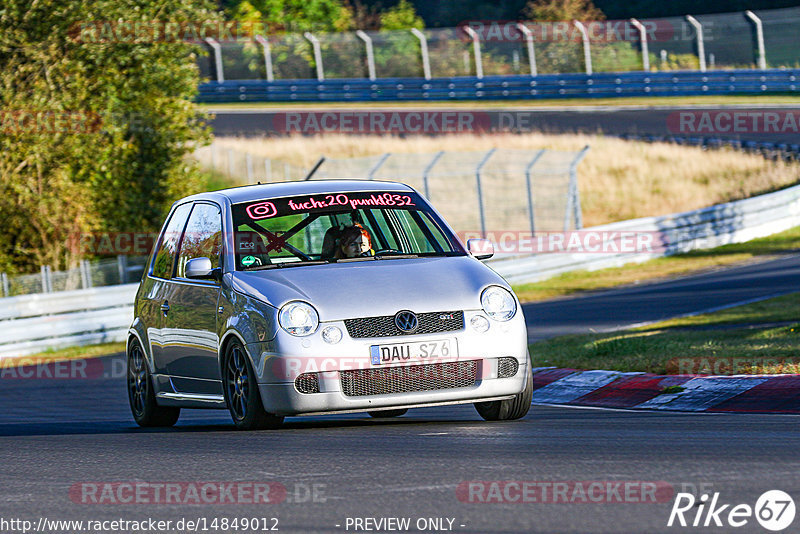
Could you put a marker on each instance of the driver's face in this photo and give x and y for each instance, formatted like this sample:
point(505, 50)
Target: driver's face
point(356, 247)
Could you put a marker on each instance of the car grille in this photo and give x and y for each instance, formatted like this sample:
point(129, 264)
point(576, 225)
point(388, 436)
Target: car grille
point(383, 326)
point(507, 367)
point(429, 377)
point(307, 383)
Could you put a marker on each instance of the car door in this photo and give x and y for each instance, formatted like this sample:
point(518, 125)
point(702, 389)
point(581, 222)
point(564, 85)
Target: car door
point(156, 284)
point(191, 340)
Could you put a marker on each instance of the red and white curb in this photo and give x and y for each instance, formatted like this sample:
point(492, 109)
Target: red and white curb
point(689, 393)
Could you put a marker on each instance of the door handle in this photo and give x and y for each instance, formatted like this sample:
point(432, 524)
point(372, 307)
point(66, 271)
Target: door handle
point(165, 308)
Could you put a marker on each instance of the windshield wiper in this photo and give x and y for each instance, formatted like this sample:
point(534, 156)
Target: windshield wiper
point(390, 255)
point(285, 264)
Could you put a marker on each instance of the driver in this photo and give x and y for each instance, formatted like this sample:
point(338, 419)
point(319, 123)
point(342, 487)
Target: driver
point(354, 241)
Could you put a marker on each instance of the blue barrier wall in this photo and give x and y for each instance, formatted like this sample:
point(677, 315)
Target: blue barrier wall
point(602, 85)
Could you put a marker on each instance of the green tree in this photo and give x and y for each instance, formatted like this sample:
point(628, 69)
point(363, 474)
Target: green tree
point(122, 160)
point(557, 10)
point(401, 17)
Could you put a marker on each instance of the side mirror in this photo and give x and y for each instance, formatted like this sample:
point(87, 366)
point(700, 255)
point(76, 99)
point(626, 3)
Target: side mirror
point(200, 269)
point(482, 249)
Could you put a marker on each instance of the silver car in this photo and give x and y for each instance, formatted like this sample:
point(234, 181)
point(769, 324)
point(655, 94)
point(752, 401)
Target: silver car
point(321, 297)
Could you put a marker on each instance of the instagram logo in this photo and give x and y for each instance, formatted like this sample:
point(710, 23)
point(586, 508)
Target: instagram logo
point(262, 210)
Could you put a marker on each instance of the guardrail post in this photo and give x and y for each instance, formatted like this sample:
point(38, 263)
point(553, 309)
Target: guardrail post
point(370, 55)
point(423, 46)
point(85, 280)
point(374, 169)
point(701, 45)
point(6, 290)
point(587, 47)
point(480, 189)
point(476, 49)
point(317, 55)
point(267, 56)
point(528, 34)
point(762, 57)
point(217, 58)
point(427, 171)
point(45, 270)
point(528, 169)
point(267, 168)
point(574, 199)
point(643, 36)
point(122, 268)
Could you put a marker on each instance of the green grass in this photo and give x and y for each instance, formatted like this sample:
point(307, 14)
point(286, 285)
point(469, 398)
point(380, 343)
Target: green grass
point(753, 100)
point(677, 265)
point(749, 339)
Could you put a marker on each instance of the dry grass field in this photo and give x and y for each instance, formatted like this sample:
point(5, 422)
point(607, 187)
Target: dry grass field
point(618, 179)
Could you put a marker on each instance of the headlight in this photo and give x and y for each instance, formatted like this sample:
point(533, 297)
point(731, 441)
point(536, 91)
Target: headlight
point(498, 303)
point(298, 318)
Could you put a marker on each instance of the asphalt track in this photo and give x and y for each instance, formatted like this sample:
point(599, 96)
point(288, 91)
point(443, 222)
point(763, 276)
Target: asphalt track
point(56, 434)
point(655, 301)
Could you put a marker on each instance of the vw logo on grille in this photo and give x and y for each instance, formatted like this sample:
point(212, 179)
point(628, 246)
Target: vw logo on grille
point(406, 321)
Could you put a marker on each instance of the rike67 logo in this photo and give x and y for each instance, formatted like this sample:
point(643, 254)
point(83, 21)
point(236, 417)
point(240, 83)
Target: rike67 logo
point(774, 510)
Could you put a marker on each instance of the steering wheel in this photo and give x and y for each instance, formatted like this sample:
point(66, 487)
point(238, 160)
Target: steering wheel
point(387, 250)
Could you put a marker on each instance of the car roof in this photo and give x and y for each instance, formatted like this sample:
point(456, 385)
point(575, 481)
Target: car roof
point(248, 193)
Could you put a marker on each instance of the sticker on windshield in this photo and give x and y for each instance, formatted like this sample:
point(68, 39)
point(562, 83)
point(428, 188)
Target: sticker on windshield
point(331, 203)
point(247, 261)
point(328, 201)
point(262, 210)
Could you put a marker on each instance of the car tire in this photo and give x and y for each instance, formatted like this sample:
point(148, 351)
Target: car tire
point(378, 414)
point(141, 395)
point(242, 396)
point(510, 409)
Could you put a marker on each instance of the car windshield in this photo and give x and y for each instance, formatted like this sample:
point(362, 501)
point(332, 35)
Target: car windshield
point(338, 227)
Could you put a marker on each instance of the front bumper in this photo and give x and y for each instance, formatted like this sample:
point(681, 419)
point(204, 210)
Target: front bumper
point(278, 362)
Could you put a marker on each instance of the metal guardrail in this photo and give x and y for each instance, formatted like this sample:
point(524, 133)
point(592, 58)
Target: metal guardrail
point(733, 222)
point(34, 323)
point(598, 85)
point(31, 324)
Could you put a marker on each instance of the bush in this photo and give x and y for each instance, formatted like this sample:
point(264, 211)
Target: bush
point(119, 160)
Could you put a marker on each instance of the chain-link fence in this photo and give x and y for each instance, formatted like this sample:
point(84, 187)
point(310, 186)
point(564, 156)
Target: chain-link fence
point(120, 270)
point(493, 190)
point(762, 39)
point(246, 168)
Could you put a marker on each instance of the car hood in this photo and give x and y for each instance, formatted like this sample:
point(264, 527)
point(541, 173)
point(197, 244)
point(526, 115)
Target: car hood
point(381, 287)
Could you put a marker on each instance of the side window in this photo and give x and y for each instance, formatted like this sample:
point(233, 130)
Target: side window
point(202, 238)
point(164, 258)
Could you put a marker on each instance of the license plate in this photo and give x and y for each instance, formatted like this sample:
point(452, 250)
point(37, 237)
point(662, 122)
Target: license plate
point(419, 351)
